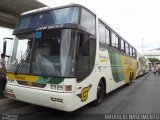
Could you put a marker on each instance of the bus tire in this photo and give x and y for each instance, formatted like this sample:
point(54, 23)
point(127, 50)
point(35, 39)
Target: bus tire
point(100, 93)
point(132, 76)
point(130, 80)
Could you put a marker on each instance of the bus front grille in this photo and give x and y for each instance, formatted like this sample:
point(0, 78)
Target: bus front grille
point(22, 82)
point(38, 85)
point(25, 83)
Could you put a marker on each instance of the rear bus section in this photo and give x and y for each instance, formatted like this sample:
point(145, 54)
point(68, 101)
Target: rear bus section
point(116, 54)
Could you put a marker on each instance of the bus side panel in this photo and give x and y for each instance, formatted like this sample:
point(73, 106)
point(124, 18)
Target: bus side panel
point(119, 68)
point(86, 90)
point(114, 67)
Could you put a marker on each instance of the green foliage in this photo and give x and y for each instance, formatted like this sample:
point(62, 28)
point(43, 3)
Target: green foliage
point(153, 60)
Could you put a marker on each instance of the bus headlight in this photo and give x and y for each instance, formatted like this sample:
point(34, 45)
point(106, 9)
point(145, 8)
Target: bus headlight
point(67, 88)
point(59, 87)
point(9, 80)
point(54, 87)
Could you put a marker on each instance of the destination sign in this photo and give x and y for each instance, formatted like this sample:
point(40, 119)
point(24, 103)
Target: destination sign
point(49, 27)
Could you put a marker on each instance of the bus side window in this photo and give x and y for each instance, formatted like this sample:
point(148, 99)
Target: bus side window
point(80, 45)
point(115, 40)
point(122, 46)
point(86, 49)
point(131, 51)
point(83, 45)
point(126, 48)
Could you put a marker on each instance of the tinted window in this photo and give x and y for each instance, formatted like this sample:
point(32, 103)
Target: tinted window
point(127, 48)
point(114, 40)
point(101, 33)
point(134, 53)
point(122, 46)
point(107, 37)
point(83, 46)
point(131, 50)
point(88, 21)
point(59, 16)
point(86, 56)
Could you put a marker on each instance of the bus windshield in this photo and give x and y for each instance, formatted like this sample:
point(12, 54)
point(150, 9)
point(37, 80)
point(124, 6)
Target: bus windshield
point(57, 16)
point(51, 55)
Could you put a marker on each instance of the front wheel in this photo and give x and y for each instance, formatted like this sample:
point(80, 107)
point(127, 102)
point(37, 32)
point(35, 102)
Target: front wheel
point(100, 93)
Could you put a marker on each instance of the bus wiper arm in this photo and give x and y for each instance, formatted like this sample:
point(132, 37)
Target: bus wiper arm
point(42, 66)
point(22, 60)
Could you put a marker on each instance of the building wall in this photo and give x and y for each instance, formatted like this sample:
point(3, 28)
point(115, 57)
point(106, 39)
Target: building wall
point(5, 32)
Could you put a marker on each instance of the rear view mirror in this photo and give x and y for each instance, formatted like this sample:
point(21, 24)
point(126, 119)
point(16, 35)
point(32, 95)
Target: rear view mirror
point(4, 47)
point(5, 44)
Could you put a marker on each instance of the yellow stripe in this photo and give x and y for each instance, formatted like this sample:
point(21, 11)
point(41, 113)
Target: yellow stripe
point(28, 78)
point(103, 60)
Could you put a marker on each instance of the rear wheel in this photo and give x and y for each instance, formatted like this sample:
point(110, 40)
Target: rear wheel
point(100, 93)
point(130, 79)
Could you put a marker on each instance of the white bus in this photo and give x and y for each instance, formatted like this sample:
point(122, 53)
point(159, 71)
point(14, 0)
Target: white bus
point(143, 65)
point(72, 58)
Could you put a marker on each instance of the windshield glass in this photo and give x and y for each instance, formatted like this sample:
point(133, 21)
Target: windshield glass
point(53, 54)
point(58, 16)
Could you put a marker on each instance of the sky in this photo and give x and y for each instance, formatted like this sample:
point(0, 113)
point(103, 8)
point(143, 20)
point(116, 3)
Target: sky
point(134, 20)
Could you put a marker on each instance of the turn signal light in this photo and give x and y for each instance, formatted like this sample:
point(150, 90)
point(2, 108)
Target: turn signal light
point(68, 87)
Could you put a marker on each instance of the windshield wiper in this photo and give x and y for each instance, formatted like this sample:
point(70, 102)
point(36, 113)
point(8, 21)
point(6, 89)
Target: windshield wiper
point(42, 66)
point(46, 70)
point(22, 60)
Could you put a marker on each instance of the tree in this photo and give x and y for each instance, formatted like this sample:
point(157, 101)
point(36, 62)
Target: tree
point(153, 60)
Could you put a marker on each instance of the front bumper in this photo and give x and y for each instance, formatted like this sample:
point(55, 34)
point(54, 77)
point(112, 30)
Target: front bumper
point(42, 97)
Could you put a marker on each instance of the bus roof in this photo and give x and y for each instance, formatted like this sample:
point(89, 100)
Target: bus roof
point(52, 8)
